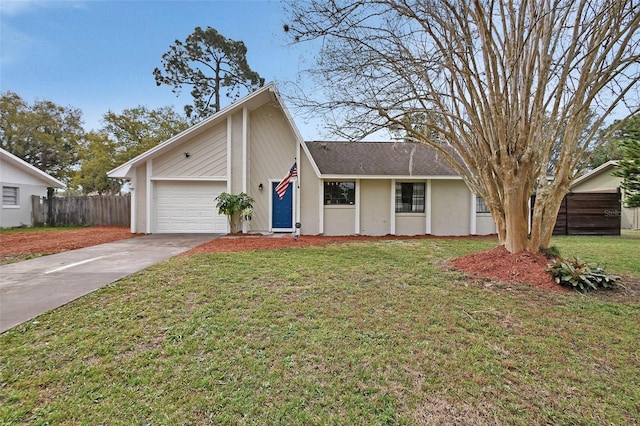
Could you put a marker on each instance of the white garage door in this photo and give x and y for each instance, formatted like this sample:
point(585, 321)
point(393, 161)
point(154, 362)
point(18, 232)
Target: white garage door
point(188, 207)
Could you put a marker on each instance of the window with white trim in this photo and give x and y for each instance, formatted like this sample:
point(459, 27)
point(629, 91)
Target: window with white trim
point(410, 197)
point(9, 196)
point(481, 206)
point(339, 193)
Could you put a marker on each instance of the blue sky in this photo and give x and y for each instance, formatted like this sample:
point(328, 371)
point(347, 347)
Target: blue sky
point(99, 55)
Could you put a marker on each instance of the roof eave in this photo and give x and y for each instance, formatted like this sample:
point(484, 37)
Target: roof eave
point(598, 170)
point(32, 170)
point(389, 177)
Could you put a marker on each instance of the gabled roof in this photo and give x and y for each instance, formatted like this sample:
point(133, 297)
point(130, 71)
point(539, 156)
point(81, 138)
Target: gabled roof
point(253, 100)
point(372, 159)
point(19, 163)
point(604, 168)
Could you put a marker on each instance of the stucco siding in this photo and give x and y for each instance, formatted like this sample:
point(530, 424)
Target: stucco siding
point(602, 182)
point(485, 224)
point(450, 207)
point(375, 202)
point(339, 220)
point(207, 156)
point(411, 223)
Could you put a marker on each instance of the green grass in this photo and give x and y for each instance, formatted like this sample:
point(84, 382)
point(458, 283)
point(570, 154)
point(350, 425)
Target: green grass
point(361, 333)
point(620, 254)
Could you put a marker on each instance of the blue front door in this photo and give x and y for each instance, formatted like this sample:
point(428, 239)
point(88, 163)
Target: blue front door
point(282, 210)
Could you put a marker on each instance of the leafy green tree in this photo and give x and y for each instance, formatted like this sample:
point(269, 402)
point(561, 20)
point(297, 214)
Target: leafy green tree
point(629, 165)
point(43, 134)
point(208, 62)
point(609, 150)
point(139, 129)
point(122, 137)
point(97, 157)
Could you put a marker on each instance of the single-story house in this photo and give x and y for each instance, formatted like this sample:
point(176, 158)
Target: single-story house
point(600, 179)
point(341, 188)
point(20, 180)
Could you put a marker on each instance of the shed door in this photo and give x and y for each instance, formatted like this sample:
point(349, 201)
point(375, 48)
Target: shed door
point(188, 207)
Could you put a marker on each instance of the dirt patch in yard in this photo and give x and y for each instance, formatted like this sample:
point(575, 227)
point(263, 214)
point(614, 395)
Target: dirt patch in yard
point(36, 243)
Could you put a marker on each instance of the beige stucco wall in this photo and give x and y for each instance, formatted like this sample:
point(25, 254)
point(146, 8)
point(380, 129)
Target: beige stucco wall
point(450, 211)
point(601, 182)
point(450, 207)
point(485, 225)
point(339, 220)
point(411, 223)
point(375, 207)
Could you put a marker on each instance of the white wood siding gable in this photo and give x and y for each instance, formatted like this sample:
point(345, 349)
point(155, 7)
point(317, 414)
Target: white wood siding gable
point(272, 152)
point(207, 157)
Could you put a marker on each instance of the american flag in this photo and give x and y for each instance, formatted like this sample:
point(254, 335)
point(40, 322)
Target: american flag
point(281, 189)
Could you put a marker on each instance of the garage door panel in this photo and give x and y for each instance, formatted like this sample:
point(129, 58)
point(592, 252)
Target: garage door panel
point(188, 207)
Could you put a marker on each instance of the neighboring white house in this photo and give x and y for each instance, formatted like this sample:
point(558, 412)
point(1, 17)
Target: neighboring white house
point(600, 179)
point(342, 188)
point(20, 180)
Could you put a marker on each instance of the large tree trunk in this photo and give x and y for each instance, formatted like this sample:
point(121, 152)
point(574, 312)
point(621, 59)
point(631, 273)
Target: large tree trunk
point(545, 212)
point(512, 222)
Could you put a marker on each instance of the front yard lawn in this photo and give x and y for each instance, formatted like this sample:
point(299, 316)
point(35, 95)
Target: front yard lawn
point(368, 332)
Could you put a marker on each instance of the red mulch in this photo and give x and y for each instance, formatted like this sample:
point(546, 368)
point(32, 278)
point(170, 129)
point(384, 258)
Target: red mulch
point(55, 241)
point(501, 265)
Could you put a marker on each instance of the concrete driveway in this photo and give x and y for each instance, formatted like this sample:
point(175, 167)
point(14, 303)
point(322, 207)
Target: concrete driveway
point(35, 286)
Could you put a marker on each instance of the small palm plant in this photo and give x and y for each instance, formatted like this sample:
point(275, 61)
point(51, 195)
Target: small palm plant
point(235, 207)
point(576, 273)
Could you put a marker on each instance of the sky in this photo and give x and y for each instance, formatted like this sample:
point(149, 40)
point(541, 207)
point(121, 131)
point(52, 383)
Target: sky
point(99, 55)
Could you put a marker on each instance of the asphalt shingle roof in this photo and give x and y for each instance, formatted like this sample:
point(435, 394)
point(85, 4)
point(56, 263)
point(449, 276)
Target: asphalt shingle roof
point(378, 159)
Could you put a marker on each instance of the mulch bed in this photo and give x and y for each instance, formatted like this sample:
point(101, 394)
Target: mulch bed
point(499, 264)
point(56, 241)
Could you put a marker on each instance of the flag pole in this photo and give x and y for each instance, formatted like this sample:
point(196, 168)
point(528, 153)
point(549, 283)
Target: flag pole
point(294, 201)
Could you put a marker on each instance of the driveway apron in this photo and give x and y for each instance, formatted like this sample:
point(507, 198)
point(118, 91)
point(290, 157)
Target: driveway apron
point(33, 287)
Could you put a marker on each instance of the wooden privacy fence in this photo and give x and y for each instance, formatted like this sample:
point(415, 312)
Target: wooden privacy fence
point(81, 211)
point(589, 213)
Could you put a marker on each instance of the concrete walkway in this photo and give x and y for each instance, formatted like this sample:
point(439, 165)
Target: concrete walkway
point(33, 287)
